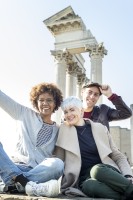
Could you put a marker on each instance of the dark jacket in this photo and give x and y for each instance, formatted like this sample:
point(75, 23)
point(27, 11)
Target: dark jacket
point(104, 114)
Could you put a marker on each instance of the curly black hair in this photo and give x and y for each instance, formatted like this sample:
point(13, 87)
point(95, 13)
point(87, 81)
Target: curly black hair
point(49, 88)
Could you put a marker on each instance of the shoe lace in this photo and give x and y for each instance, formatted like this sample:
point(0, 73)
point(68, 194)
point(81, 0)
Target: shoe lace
point(39, 189)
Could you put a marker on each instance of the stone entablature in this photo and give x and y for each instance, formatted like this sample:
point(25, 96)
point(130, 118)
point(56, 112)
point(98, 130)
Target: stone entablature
point(69, 31)
point(64, 21)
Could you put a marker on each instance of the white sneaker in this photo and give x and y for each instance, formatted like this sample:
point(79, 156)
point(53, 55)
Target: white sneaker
point(47, 189)
point(3, 188)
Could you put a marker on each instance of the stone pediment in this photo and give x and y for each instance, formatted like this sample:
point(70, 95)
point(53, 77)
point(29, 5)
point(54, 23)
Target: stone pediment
point(63, 15)
point(64, 21)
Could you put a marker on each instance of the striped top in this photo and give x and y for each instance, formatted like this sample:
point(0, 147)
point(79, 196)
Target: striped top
point(44, 134)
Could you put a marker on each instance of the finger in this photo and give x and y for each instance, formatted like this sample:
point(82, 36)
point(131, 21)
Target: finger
point(104, 87)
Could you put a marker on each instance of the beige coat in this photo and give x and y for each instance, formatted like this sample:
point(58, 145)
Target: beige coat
point(67, 148)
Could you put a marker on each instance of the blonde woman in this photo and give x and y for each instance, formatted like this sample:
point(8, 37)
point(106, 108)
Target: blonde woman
point(94, 166)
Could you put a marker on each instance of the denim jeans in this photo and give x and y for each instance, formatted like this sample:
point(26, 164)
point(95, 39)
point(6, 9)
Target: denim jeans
point(50, 168)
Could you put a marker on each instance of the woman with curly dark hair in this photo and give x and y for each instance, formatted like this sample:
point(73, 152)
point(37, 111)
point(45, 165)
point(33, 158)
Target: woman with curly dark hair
point(33, 169)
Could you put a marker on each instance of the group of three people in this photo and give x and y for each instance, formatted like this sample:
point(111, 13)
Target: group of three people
point(81, 151)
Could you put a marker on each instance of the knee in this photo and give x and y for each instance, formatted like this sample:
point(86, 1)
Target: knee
point(55, 165)
point(59, 164)
point(58, 167)
point(97, 171)
point(89, 188)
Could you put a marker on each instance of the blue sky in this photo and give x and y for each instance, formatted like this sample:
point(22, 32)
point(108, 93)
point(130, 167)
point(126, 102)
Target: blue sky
point(25, 45)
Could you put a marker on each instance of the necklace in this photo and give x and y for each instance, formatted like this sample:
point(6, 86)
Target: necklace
point(80, 130)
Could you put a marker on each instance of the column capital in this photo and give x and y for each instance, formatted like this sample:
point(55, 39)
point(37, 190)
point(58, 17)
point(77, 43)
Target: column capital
point(62, 55)
point(58, 55)
point(72, 68)
point(81, 79)
point(96, 50)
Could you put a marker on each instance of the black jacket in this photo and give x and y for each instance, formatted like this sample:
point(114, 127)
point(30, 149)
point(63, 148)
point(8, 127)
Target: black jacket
point(104, 114)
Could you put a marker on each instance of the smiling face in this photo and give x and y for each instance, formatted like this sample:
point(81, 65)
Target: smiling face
point(90, 97)
point(46, 105)
point(73, 116)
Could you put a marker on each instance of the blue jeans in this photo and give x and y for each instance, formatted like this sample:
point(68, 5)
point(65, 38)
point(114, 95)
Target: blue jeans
point(50, 168)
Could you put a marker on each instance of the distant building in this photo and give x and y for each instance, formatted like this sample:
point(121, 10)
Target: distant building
point(122, 139)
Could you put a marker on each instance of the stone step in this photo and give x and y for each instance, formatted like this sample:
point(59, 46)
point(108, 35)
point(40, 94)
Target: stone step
point(25, 197)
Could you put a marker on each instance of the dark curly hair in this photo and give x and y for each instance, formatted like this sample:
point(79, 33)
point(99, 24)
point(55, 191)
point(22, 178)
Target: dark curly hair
point(49, 88)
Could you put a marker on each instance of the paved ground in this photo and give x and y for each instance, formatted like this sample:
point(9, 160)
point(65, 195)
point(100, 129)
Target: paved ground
point(24, 197)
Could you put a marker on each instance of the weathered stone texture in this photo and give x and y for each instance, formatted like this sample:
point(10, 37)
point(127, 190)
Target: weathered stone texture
point(24, 197)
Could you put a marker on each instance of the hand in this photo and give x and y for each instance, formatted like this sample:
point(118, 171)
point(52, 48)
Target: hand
point(106, 90)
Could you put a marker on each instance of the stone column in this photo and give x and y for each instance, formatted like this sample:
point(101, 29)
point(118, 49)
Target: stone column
point(96, 53)
point(131, 129)
point(60, 69)
point(71, 79)
point(60, 78)
point(80, 81)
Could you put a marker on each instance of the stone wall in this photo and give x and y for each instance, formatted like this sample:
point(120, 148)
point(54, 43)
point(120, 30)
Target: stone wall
point(122, 139)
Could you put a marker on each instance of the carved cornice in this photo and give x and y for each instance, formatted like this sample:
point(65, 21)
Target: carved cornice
point(64, 21)
point(66, 26)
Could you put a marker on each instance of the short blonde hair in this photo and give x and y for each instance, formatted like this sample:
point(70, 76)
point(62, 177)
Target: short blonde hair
point(71, 101)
